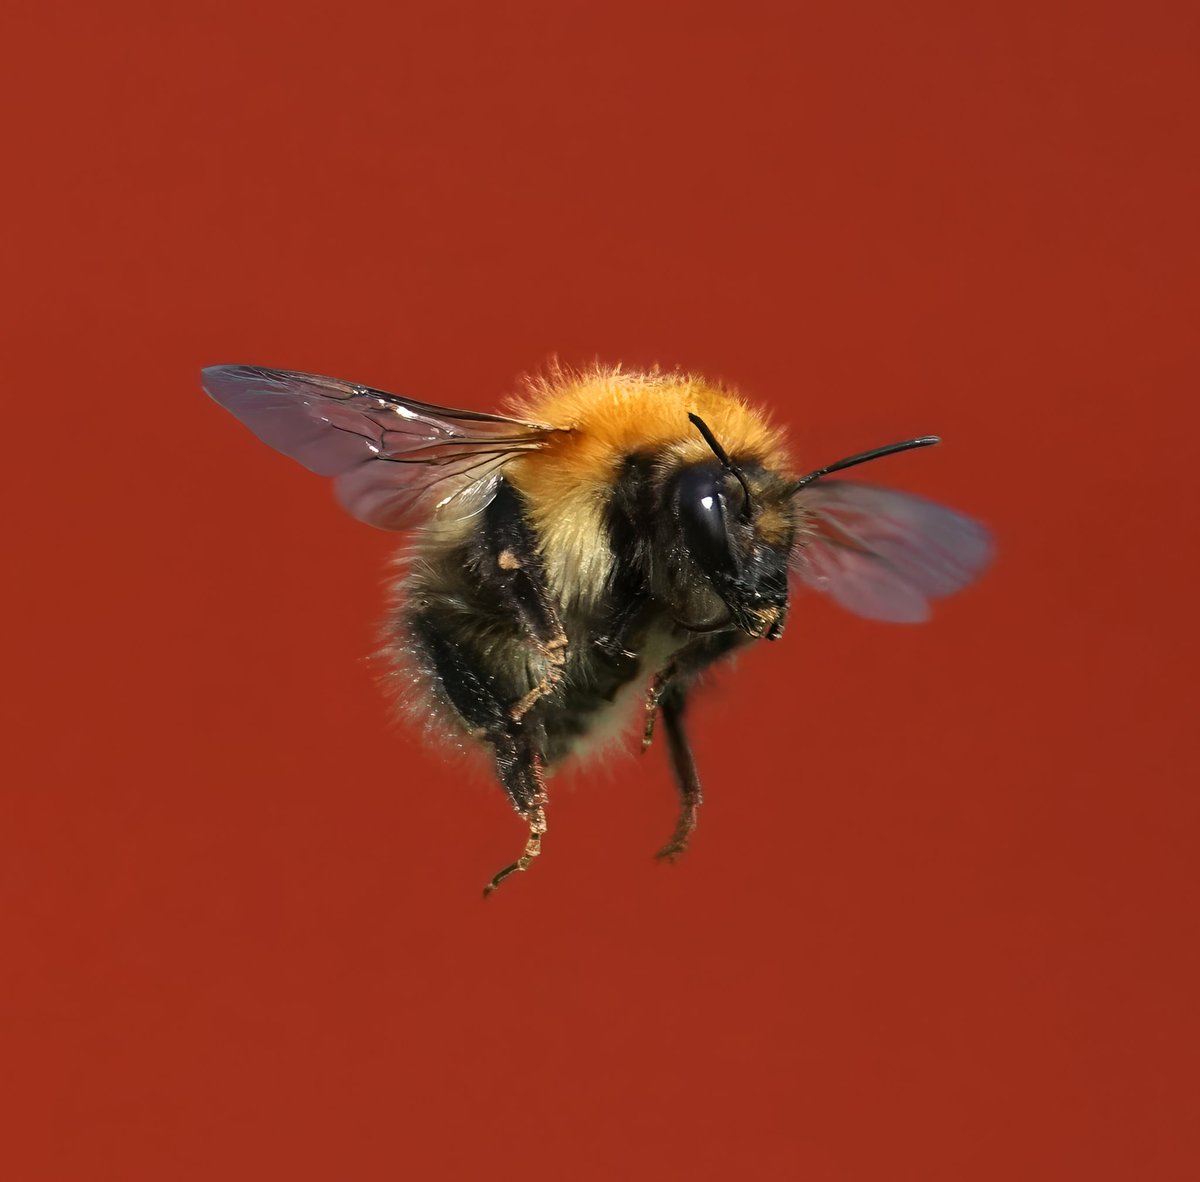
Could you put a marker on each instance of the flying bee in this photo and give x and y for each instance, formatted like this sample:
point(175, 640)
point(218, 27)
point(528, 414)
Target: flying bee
point(618, 535)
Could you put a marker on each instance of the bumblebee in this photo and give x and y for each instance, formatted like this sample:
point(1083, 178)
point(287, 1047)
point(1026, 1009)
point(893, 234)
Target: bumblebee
point(614, 537)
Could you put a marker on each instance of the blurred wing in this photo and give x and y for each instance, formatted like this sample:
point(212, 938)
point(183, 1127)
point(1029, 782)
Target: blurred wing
point(884, 554)
point(393, 459)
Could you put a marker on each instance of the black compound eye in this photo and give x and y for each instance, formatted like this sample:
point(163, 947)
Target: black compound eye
point(700, 495)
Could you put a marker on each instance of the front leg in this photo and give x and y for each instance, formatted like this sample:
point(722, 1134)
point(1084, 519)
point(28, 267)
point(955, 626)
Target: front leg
point(668, 695)
point(672, 701)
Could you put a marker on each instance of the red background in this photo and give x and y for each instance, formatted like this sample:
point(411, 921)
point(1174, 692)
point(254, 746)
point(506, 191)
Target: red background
point(940, 917)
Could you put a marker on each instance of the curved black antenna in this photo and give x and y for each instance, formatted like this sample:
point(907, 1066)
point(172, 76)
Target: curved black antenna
point(876, 453)
point(721, 455)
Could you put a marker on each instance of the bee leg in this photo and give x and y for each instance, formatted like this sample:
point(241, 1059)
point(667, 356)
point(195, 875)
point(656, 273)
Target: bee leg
point(495, 701)
point(518, 747)
point(508, 563)
point(537, 826)
point(520, 767)
point(669, 695)
point(653, 697)
point(671, 703)
point(554, 653)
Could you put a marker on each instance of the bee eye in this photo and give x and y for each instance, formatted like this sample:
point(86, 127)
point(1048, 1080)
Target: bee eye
point(700, 496)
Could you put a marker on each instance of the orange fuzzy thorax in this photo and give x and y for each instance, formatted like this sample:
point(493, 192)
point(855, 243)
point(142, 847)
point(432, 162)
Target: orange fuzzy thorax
point(607, 415)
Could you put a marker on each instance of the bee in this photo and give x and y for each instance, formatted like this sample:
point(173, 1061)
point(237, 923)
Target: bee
point(607, 543)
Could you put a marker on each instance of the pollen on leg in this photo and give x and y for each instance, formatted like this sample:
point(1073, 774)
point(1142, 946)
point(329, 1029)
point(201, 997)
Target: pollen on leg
point(507, 560)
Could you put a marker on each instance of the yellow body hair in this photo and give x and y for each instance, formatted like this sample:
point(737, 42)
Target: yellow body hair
point(606, 415)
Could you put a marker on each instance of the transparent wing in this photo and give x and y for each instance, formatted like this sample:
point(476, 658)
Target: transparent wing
point(884, 554)
point(393, 459)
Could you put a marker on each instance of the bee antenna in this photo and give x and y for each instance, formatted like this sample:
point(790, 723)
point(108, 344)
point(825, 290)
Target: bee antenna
point(876, 453)
point(721, 454)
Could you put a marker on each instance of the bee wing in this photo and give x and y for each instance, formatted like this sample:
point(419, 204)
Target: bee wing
point(884, 554)
point(393, 459)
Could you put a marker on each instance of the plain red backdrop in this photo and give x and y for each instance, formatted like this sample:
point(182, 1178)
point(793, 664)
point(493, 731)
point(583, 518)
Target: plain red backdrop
point(939, 921)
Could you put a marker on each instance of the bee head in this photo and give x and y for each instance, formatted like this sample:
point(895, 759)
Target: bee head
point(735, 530)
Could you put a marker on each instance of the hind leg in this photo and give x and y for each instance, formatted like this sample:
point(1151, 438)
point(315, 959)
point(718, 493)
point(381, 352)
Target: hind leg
point(486, 708)
point(489, 683)
point(520, 768)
